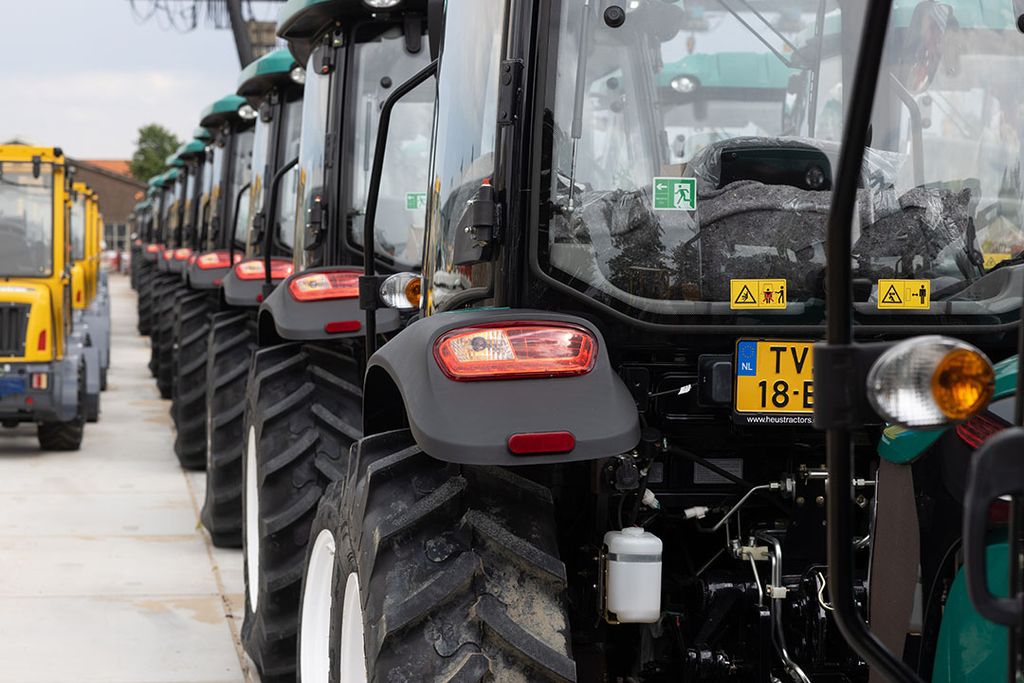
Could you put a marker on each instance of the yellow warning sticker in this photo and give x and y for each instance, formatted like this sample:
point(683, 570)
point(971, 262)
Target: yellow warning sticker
point(904, 293)
point(993, 259)
point(757, 294)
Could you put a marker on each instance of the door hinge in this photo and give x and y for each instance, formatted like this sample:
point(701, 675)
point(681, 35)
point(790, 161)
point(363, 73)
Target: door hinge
point(509, 91)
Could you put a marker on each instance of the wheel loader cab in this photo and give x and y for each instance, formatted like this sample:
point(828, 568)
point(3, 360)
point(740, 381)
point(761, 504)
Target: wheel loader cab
point(43, 376)
point(90, 301)
point(273, 87)
point(645, 316)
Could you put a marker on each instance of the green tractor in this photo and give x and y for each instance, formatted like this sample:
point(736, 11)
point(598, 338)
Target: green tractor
point(223, 170)
point(609, 448)
point(260, 233)
point(303, 401)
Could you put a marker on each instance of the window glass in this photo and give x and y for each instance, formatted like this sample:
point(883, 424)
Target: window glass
point(466, 119)
point(77, 218)
point(260, 156)
point(309, 175)
point(381, 64)
point(26, 220)
point(241, 175)
point(291, 138)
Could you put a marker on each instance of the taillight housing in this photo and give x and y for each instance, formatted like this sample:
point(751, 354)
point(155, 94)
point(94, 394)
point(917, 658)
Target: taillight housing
point(516, 350)
point(335, 284)
point(153, 248)
point(41, 341)
point(182, 254)
point(253, 269)
point(168, 254)
point(213, 260)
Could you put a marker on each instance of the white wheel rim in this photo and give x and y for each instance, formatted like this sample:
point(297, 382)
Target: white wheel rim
point(315, 626)
point(252, 521)
point(352, 665)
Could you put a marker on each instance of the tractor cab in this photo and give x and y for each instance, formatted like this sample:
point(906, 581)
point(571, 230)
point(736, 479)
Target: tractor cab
point(273, 85)
point(171, 207)
point(192, 157)
point(355, 57)
point(46, 366)
point(230, 122)
point(698, 477)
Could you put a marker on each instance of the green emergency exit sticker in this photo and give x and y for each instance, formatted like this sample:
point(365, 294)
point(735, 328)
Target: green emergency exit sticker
point(415, 200)
point(675, 194)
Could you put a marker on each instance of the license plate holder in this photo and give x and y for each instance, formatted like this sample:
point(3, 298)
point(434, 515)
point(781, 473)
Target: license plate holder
point(773, 382)
point(12, 386)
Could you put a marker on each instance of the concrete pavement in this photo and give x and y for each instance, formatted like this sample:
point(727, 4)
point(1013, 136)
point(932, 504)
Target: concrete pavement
point(105, 574)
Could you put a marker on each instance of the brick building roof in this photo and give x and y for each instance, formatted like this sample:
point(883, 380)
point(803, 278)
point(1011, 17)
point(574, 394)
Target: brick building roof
point(118, 166)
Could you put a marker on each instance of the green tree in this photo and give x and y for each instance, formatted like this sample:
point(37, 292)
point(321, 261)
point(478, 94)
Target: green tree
point(154, 145)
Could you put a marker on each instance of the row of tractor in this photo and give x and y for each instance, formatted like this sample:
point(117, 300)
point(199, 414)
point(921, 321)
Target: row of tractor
point(54, 303)
point(588, 340)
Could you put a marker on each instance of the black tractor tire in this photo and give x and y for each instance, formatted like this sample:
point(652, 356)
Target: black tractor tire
point(144, 287)
point(303, 413)
point(164, 340)
point(230, 345)
point(103, 378)
point(188, 398)
point(161, 288)
point(458, 569)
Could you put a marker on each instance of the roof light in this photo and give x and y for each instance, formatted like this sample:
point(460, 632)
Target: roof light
point(298, 75)
point(381, 4)
point(252, 269)
point(930, 382)
point(536, 443)
point(516, 350)
point(247, 112)
point(401, 290)
point(214, 260)
point(334, 284)
point(684, 84)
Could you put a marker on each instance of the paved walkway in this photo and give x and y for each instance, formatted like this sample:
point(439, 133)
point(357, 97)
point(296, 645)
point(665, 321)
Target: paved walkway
point(105, 575)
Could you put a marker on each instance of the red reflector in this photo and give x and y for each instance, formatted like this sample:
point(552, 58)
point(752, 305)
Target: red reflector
point(218, 282)
point(216, 259)
point(29, 401)
point(339, 284)
point(78, 296)
point(342, 326)
point(253, 269)
point(516, 350)
point(534, 443)
point(182, 254)
point(999, 512)
point(41, 342)
point(978, 429)
point(259, 298)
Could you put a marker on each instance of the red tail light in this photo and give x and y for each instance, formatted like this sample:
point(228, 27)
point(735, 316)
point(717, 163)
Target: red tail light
point(213, 260)
point(534, 443)
point(339, 284)
point(516, 350)
point(153, 248)
point(253, 269)
point(168, 254)
point(138, 243)
point(182, 254)
point(41, 342)
point(979, 428)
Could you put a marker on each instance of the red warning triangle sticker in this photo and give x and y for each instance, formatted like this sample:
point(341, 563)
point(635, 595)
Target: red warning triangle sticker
point(745, 296)
point(892, 296)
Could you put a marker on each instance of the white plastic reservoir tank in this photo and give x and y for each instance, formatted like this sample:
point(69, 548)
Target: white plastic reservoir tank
point(633, 589)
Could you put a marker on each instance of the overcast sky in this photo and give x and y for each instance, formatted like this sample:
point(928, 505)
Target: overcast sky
point(85, 75)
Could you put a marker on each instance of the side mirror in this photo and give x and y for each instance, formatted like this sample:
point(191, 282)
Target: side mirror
point(997, 469)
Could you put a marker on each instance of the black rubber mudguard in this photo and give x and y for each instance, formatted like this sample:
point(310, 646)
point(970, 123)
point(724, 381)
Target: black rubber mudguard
point(470, 422)
point(296, 320)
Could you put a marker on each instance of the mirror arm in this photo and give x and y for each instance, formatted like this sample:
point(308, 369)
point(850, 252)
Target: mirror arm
point(268, 238)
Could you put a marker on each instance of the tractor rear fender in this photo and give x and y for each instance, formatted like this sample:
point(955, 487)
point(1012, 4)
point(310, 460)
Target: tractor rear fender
point(471, 422)
point(285, 318)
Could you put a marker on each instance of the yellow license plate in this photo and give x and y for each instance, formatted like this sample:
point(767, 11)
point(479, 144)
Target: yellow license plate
point(774, 378)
